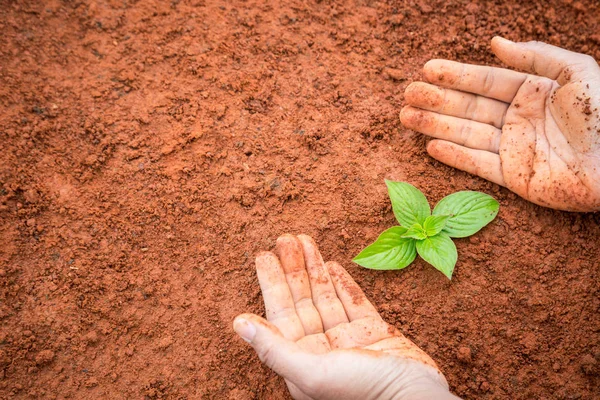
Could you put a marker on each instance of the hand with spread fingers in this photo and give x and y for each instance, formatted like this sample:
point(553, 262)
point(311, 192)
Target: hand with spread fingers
point(324, 336)
point(537, 133)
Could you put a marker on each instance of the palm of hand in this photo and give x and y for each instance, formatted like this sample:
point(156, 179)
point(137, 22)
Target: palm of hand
point(322, 309)
point(538, 136)
point(548, 155)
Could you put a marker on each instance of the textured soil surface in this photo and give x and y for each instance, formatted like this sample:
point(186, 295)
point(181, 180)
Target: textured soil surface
point(148, 149)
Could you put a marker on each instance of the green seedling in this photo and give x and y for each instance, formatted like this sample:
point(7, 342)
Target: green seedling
point(427, 233)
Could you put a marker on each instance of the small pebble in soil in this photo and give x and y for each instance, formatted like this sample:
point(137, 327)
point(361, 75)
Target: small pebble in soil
point(165, 342)
point(556, 367)
point(44, 357)
point(92, 382)
point(394, 74)
point(485, 386)
point(464, 354)
point(91, 337)
point(537, 229)
point(589, 365)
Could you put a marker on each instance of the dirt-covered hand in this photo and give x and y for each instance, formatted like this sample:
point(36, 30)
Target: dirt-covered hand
point(537, 133)
point(325, 337)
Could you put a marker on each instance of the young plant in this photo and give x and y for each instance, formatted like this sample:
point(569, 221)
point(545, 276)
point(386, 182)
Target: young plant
point(458, 215)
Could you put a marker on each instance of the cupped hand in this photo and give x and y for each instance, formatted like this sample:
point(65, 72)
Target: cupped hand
point(325, 337)
point(537, 133)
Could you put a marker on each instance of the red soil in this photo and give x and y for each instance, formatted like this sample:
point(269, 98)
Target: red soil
point(148, 149)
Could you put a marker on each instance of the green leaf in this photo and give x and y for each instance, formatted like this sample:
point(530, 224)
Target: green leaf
point(469, 212)
point(415, 232)
point(389, 251)
point(409, 204)
point(434, 224)
point(439, 251)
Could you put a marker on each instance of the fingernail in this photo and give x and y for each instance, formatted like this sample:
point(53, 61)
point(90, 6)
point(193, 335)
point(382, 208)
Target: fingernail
point(245, 329)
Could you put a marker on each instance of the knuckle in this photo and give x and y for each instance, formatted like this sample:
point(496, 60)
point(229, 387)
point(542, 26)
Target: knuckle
point(465, 133)
point(471, 109)
point(488, 82)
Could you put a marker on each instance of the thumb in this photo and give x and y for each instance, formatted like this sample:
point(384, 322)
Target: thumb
point(544, 59)
point(281, 355)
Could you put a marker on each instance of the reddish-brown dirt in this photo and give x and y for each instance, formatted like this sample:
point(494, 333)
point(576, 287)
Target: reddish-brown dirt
point(148, 149)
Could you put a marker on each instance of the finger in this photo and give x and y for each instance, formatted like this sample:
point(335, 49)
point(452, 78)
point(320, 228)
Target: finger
point(471, 134)
point(279, 304)
point(359, 333)
point(323, 292)
point(355, 302)
point(495, 83)
point(544, 59)
point(456, 103)
point(477, 162)
point(282, 355)
point(289, 250)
